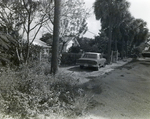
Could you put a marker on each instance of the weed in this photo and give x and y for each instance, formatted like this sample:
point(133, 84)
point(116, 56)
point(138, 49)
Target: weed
point(28, 92)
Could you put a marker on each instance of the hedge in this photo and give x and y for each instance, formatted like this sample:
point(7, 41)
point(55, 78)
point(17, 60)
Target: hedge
point(70, 58)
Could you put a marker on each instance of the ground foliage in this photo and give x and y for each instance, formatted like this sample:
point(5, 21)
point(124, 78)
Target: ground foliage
point(28, 92)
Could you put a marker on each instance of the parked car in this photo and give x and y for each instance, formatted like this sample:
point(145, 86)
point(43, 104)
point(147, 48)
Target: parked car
point(91, 59)
point(146, 54)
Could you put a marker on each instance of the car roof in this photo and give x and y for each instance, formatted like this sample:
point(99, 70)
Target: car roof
point(92, 53)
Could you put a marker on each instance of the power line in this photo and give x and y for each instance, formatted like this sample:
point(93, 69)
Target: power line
point(91, 32)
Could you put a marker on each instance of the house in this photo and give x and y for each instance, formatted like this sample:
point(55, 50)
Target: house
point(45, 52)
point(67, 42)
point(46, 48)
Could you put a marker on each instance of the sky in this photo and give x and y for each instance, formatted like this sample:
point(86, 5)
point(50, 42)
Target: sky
point(138, 9)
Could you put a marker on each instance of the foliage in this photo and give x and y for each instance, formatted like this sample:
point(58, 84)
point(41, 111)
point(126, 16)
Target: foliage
point(47, 38)
point(9, 21)
point(74, 49)
point(102, 42)
point(10, 25)
point(140, 32)
point(7, 49)
point(70, 58)
point(34, 54)
point(27, 92)
point(112, 14)
point(124, 31)
point(85, 44)
point(22, 19)
point(110, 9)
point(98, 44)
point(73, 19)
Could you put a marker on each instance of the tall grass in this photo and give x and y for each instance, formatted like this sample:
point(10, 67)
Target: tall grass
point(30, 91)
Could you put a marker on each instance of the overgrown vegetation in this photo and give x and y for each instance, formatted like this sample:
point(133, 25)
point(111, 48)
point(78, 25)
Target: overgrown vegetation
point(27, 92)
point(70, 58)
point(124, 32)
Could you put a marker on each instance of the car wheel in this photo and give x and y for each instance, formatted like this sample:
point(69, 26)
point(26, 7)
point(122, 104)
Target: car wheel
point(81, 67)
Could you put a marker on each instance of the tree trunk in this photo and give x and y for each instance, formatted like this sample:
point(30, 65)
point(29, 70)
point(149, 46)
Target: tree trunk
point(109, 43)
point(28, 39)
point(62, 47)
point(122, 48)
point(55, 45)
point(126, 48)
point(27, 53)
point(116, 50)
point(109, 35)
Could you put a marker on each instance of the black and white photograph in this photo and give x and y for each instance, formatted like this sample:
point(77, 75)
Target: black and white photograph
point(74, 59)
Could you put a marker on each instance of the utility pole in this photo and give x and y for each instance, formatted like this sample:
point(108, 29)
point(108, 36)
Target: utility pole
point(56, 30)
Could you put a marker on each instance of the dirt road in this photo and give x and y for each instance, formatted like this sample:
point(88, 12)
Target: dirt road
point(123, 93)
point(84, 75)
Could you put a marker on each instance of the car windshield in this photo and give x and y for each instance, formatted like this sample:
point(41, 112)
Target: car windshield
point(93, 56)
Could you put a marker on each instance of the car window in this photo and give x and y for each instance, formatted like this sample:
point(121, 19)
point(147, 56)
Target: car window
point(94, 56)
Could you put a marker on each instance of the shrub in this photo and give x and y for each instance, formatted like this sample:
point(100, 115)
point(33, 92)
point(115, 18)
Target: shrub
point(26, 93)
point(70, 58)
point(74, 49)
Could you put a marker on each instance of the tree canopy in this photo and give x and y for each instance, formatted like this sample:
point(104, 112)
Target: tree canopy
point(123, 31)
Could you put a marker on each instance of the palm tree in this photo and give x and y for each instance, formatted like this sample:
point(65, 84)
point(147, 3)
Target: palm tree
point(102, 10)
point(108, 12)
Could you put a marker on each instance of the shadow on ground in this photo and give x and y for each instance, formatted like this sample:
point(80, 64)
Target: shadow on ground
point(78, 69)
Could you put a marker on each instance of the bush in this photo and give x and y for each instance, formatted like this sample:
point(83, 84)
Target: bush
point(28, 92)
point(70, 58)
point(74, 49)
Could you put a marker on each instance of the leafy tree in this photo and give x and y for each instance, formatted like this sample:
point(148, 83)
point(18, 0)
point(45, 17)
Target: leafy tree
point(10, 26)
point(7, 49)
point(73, 20)
point(85, 43)
point(110, 13)
point(47, 38)
point(27, 18)
point(33, 19)
point(125, 32)
point(139, 34)
point(74, 49)
point(102, 42)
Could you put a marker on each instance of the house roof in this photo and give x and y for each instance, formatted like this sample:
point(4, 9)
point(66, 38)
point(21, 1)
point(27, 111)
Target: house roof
point(41, 43)
point(70, 38)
